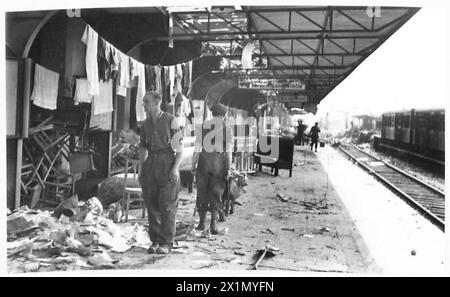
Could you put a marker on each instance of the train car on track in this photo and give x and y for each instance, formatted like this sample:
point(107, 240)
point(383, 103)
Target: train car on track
point(416, 132)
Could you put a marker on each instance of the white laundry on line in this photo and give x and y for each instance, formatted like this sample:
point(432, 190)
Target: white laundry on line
point(82, 91)
point(103, 102)
point(90, 38)
point(45, 89)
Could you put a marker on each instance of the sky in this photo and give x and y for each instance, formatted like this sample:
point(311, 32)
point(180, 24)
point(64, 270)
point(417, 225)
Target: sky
point(407, 71)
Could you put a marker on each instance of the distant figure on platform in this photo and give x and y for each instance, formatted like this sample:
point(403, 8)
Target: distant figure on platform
point(300, 132)
point(314, 134)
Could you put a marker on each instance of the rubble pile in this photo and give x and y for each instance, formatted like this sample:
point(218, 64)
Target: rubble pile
point(47, 241)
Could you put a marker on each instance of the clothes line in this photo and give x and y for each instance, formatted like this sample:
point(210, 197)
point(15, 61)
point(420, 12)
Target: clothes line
point(104, 62)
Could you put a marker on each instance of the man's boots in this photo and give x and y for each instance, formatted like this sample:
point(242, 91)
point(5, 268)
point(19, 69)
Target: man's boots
point(201, 224)
point(221, 216)
point(214, 218)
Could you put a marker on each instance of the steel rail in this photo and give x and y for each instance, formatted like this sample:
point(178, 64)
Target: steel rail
point(411, 201)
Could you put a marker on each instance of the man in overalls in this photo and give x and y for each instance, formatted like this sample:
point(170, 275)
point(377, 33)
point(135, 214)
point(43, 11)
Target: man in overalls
point(160, 157)
point(213, 152)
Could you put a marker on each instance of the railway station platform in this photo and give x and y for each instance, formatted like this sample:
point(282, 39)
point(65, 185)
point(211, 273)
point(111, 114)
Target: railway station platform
point(330, 216)
point(398, 238)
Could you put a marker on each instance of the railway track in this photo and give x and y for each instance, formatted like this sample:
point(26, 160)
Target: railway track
point(429, 201)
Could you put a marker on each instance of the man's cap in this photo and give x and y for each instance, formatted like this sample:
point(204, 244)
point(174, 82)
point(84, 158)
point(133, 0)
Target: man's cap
point(219, 109)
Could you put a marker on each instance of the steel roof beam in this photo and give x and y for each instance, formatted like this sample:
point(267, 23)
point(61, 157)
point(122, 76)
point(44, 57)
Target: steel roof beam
point(244, 35)
point(354, 21)
point(269, 21)
point(339, 46)
point(306, 67)
point(309, 19)
point(319, 8)
point(321, 41)
point(226, 21)
point(187, 23)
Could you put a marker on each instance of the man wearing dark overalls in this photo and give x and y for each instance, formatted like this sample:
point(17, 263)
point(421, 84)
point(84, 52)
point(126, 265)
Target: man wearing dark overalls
point(160, 157)
point(213, 152)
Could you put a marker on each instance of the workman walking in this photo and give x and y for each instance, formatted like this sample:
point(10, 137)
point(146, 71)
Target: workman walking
point(213, 153)
point(314, 134)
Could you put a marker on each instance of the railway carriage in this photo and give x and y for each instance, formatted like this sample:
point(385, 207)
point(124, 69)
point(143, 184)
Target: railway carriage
point(419, 132)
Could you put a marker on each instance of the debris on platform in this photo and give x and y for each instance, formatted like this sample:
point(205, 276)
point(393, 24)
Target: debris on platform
point(68, 208)
point(281, 197)
point(267, 252)
point(314, 205)
point(413, 252)
point(101, 259)
point(307, 235)
point(325, 229)
point(268, 231)
point(206, 234)
point(43, 241)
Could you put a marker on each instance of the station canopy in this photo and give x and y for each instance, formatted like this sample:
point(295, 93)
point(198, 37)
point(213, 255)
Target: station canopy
point(319, 46)
point(312, 48)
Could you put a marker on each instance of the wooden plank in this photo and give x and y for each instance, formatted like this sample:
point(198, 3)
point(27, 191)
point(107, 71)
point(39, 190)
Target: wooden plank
point(41, 128)
point(26, 97)
point(18, 170)
point(109, 154)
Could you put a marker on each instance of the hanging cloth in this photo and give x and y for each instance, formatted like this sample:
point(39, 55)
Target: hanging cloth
point(90, 38)
point(178, 79)
point(124, 71)
point(158, 84)
point(186, 106)
point(140, 112)
point(246, 58)
point(166, 86)
point(149, 78)
point(82, 91)
point(45, 89)
point(103, 102)
point(103, 60)
point(134, 68)
point(172, 80)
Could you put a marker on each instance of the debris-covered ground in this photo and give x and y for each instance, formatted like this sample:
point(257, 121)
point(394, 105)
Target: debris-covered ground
point(300, 219)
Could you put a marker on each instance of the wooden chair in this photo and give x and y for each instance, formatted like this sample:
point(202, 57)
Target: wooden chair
point(131, 193)
point(284, 159)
